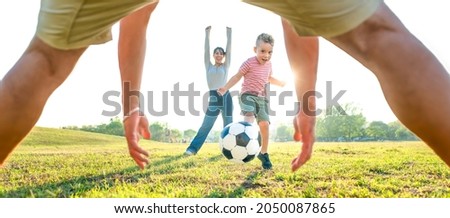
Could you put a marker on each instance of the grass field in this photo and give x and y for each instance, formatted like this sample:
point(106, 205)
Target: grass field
point(71, 164)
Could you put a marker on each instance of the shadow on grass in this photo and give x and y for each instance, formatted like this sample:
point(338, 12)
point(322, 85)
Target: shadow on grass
point(164, 166)
point(77, 186)
point(215, 158)
point(250, 182)
point(73, 187)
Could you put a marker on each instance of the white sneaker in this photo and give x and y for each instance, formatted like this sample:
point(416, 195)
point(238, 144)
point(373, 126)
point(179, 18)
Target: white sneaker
point(189, 153)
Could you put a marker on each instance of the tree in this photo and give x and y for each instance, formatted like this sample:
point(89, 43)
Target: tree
point(283, 133)
point(326, 128)
point(213, 136)
point(174, 136)
point(189, 134)
point(400, 132)
point(162, 133)
point(378, 130)
point(157, 130)
point(115, 127)
point(336, 126)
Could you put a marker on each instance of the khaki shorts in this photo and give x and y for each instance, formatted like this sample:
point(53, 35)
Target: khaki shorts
point(325, 18)
point(71, 24)
point(257, 105)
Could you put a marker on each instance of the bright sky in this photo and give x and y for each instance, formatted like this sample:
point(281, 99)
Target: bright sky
point(175, 55)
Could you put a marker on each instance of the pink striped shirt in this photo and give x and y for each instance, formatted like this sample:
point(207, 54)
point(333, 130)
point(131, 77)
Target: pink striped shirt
point(256, 76)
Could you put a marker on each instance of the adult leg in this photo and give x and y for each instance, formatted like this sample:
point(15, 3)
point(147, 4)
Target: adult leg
point(227, 112)
point(26, 87)
point(226, 119)
point(205, 128)
point(415, 84)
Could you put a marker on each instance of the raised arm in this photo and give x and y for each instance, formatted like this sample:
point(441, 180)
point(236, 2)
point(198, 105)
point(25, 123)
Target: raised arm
point(207, 48)
point(132, 48)
point(228, 49)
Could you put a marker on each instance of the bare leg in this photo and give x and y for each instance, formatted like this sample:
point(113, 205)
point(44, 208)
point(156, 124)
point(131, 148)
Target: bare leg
point(26, 87)
point(416, 86)
point(264, 129)
point(249, 117)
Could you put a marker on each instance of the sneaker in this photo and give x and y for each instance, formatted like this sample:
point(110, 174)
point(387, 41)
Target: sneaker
point(189, 153)
point(264, 158)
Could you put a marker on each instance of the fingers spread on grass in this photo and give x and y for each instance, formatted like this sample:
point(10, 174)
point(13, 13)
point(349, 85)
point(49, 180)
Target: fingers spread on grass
point(303, 157)
point(295, 164)
point(299, 161)
point(139, 155)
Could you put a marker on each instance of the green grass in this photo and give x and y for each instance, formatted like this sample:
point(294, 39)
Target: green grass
point(75, 164)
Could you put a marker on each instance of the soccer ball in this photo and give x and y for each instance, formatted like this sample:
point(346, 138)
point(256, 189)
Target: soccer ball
point(240, 142)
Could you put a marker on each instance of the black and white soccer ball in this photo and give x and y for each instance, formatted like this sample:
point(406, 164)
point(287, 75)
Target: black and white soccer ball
point(240, 141)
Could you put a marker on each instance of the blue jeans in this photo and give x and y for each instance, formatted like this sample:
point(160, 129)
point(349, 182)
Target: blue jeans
point(216, 104)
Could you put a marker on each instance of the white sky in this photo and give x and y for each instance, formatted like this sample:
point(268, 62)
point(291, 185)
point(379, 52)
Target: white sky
point(175, 55)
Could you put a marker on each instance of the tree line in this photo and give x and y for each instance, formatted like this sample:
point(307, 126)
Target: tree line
point(330, 127)
point(161, 132)
point(353, 126)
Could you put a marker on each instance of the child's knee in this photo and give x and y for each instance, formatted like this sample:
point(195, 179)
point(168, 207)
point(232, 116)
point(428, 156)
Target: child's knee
point(263, 124)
